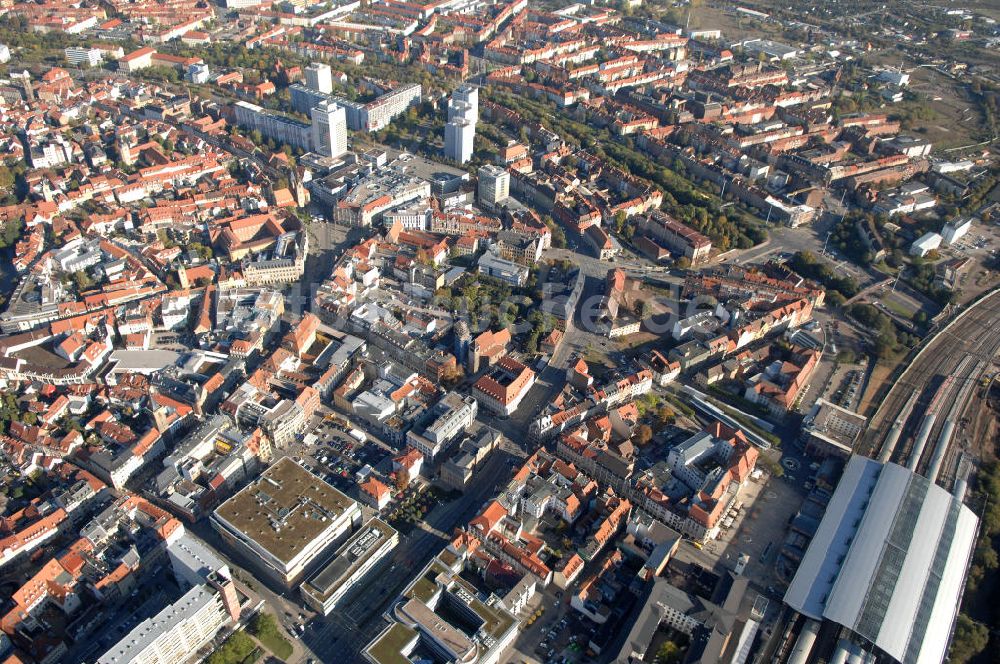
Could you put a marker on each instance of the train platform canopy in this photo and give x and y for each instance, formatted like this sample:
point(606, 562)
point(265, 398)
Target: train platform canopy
point(888, 561)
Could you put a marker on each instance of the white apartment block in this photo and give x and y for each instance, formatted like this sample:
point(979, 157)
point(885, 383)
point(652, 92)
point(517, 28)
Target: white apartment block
point(319, 77)
point(377, 114)
point(79, 55)
point(174, 634)
point(273, 125)
point(494, 185)
point(469, 96)
point(459, 137)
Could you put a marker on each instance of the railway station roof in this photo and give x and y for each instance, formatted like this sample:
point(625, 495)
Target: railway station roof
point(888, 561)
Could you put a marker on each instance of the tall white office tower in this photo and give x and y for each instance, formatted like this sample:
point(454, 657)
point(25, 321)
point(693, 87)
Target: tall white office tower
point(319, 77)
point(459, 136)
point(467, 94)
point(329, 128)
point(460, 132)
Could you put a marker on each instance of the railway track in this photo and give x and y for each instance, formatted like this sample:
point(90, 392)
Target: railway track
point(940, 381)
point(950, 408)
point(946, 473)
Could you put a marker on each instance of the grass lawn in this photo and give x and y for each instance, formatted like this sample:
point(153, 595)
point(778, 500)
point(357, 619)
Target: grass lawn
point(277, 644)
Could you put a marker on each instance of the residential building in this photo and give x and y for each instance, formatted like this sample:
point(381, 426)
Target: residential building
point(283, 422)
point(319, 77)
point(459, 136)
point(494, 185)
point(407, 465)
point(377, 114)
point(193, 562)
point(138, 59)
point(198, 73)
point(176, 633)
point(781, 384)
point(468, 95)
point(676, 236)
point(81, 55)
point(374, 493)
point(460, 130)
point(273, 125)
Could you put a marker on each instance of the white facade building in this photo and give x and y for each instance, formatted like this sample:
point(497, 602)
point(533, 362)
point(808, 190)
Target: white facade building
point(329, 129)
point(352, 562)
point(459, 137)
point(926, 244)
point(286, 499)
point(319, 77)
point(468, 95)
point(956, 229)
point(80, 55)
point(494, 185)
point(460, 132)
point(273, 125)
point(198, 73)
point(175, 633)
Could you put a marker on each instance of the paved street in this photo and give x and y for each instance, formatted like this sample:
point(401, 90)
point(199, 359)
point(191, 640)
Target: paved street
point(354, 624)
point(327, 242)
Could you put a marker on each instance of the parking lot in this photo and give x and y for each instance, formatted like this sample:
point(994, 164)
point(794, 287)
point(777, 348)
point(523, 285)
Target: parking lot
point(846, 388)
point(558, 632)
point(758, 529)
point(331, 452)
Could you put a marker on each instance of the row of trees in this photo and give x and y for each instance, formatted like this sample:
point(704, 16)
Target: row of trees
point(921, 277)
point(806, 264)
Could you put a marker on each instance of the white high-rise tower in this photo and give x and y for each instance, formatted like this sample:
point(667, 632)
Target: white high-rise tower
point(329, 129)
point(466, 94)
point(319, 77)
point(460, 132)
point(459, 136)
